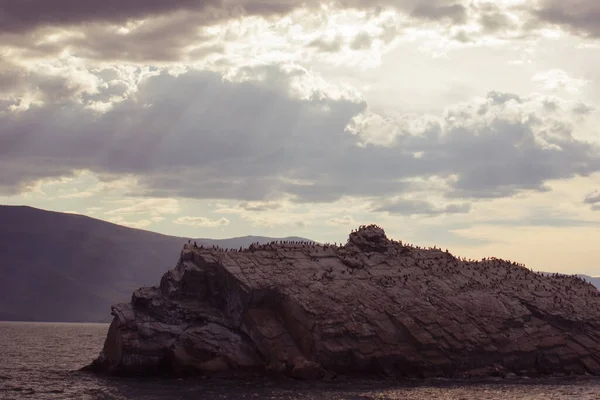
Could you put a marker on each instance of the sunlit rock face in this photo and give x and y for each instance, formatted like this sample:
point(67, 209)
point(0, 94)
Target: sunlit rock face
point(373, 307)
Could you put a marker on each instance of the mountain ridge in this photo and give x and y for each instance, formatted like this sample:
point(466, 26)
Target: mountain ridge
point(66, 267)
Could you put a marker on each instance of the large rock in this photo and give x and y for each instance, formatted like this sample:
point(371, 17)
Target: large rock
point(371, 307)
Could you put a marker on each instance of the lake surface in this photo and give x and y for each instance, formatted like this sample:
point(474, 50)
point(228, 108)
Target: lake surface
point(41, 361)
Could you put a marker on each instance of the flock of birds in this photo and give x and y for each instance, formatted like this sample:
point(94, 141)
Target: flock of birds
point(431, 263)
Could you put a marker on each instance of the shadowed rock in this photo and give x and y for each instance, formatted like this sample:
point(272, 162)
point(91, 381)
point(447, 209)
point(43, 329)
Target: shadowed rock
point(372, 307)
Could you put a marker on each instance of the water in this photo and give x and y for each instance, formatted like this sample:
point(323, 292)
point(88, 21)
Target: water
point(41, 361)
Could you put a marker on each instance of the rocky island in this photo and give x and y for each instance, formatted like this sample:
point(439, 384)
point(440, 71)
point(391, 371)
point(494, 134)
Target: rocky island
point(372, 307)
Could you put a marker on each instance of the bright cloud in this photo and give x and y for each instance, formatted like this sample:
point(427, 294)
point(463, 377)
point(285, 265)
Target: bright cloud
point(202, 222)
point(557, 79)
point(345, 220)
point(154, 207)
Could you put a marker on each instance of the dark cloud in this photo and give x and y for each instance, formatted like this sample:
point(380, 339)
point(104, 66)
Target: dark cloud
point(172, 26)
point(172, 30)
point(190, 127)
point(268, 7)
point(453, 11)
point(421, 207)
point(164, 39)
point(259, 207)
point(94, 30)
point(11, 76)
point(195, 135)
point(457, 13)
point(507, 155)
point(22, 16)
point(361, 41)
point(578, 16)
point(19, 15)
point(593, 199)
point(493, 19)
point(328, 45)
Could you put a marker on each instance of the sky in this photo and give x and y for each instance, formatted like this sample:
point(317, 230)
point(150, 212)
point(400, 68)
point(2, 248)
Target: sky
point(469, 125)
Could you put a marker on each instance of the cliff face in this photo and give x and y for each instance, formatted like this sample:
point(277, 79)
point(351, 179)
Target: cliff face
point(371, 307)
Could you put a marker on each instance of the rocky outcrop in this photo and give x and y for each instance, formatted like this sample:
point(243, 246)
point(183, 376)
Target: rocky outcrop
point(371, 307)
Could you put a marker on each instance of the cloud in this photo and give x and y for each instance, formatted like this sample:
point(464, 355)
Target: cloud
point(73, 212)
point(557, 79)
point(455, 12)
point(490, 147)
point(219, 38)
point(202, 222)
point(328, 45)
point(411, 207)
point(580, 17)
point(593, 199)
point(199, 136)
point(493, 19)
point(259, 206)
point(17, 16)
point(345, 220)
point(11, 77)
point(582, 109)
point(86, 185)
point(509, 144)
point(153, 207)
point(225, 31)
point(139, 224)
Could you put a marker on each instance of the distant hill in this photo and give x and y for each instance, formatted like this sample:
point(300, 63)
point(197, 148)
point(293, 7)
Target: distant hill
point(67, 267)
point(594, 280)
